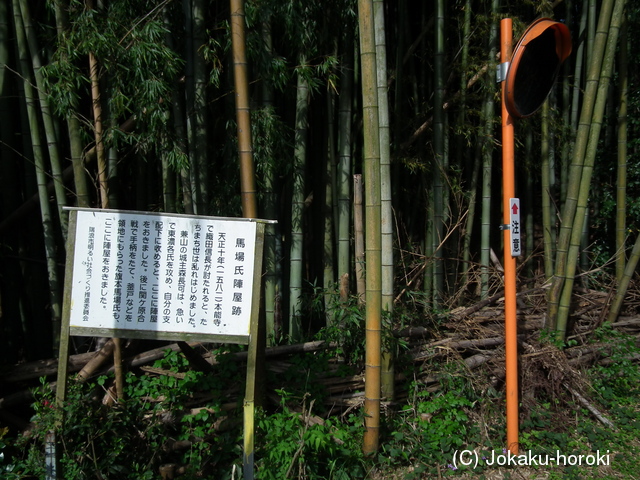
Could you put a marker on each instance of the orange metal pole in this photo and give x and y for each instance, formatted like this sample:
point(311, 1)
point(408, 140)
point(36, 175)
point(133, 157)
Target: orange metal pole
point(508, 192)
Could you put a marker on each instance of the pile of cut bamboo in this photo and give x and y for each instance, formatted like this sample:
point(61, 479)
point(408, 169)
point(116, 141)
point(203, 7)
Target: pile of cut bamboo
point(472, 337)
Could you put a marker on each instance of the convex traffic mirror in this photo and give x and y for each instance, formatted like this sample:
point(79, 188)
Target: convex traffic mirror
point(534, 66)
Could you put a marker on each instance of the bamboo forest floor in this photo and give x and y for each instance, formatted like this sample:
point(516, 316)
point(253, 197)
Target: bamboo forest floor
point(578, 398)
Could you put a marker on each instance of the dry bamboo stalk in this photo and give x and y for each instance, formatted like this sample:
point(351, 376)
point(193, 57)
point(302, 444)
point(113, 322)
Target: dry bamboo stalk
point(44, 368)
point(608, 361)
point(99, 358)
point(281, 350)
point(465, 312)
point(104, 190)
point(344, 287)
point(589, 406)
point(32, 370)
point(449, 345)
point(422, 128)
point(162, 371)
point(196, 360)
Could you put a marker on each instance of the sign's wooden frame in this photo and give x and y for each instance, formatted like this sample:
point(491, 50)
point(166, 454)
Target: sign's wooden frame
point(252, 340)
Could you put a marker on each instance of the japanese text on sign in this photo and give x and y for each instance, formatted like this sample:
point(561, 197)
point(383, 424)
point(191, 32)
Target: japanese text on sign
point(514, 227)
point(162, 273)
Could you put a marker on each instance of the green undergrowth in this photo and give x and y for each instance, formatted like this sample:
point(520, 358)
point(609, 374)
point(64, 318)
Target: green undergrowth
point(450, 428)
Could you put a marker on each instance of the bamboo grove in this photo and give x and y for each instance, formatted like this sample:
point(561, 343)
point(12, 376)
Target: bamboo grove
point(132, 105)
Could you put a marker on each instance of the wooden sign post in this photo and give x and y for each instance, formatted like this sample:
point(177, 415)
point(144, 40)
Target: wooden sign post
point(165, 277)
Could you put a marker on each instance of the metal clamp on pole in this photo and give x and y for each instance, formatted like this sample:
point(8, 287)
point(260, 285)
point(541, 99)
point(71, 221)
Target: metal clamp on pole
point(504, 227)
point(501, 72)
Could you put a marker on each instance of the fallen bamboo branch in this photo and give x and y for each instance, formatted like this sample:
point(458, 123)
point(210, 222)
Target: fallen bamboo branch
point(589, 406)
point(281, 350)
point(44, 368)
point(48, 368)
point(104, 354)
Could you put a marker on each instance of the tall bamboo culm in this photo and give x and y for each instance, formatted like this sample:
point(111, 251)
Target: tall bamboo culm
point(621, 184)
point(625, 280)
point(373, 295)
point(575, 169)
point(329, 278)
point(487, 161)
point(47, 118)
point(588, 162)
point(297, 207)
point(386, 225)
point(41, 173)
point(344, 179)
point(438, 168)
point(243, 113)
point(269, 209)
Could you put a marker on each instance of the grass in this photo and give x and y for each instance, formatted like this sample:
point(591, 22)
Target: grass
point(422, 436)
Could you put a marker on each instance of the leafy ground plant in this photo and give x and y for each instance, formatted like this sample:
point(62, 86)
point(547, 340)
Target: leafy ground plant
point(133, 438)
point(298, 437)
point(298, 444)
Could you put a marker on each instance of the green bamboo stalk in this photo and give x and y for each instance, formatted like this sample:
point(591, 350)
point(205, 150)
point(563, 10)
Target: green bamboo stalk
point(438, 155)
point(529, 199)
point(76, 146)
point(464, 153)
point(190, 184)
point(576, 95)
point(621, 183)
point(429, 269)
point(471, 215)
point(487, 160)
point(623, 284)
point(591, 26)
point(358, 233)
point(585, 184)
point(73, 124)
point(182, 140)
point(199, 112)
point(113, 160)
point(385, 157)
point(548, 226)
point(297, 206)
point(345, 102)
point(577, 163)
point(386, 226)
point(270, 263)
point(487, 163)
point(329, 278)
point(575, 98)
point(41, 175)
point(47, 118)
point(373, 295)
point(464, 66)
point(567, 134)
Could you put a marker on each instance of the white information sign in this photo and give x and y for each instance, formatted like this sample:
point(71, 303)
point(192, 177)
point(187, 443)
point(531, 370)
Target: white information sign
point(163, 273)
point(514, 226)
